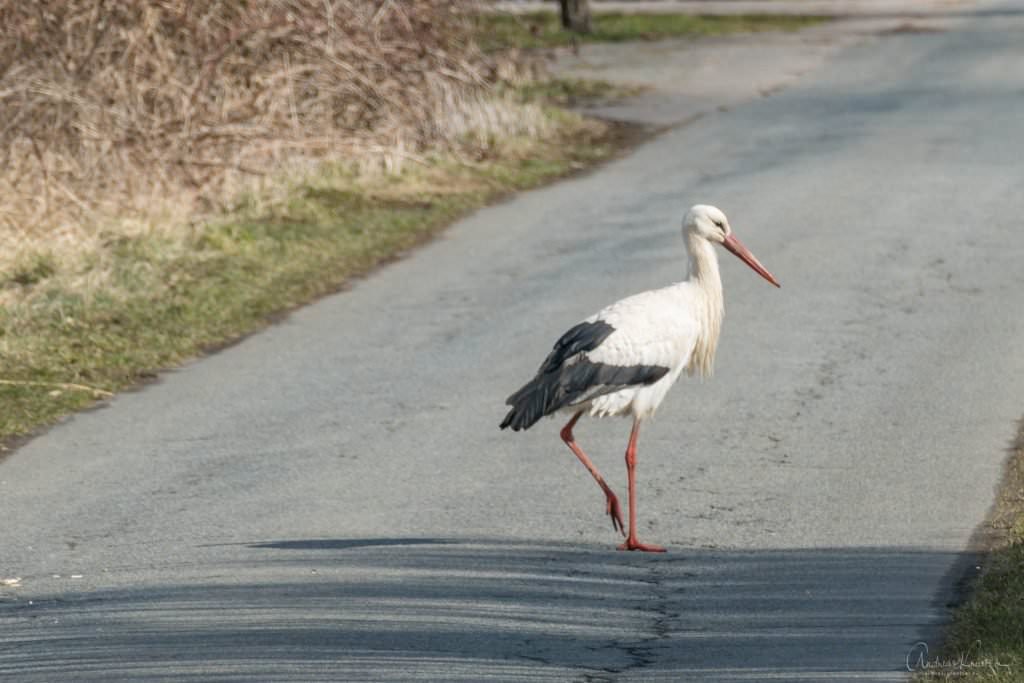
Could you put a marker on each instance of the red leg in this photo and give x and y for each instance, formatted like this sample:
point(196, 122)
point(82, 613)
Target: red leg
point(612, 507)
point(631, 540)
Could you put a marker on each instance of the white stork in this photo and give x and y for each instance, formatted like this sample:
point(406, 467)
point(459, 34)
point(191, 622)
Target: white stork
point(623, 359)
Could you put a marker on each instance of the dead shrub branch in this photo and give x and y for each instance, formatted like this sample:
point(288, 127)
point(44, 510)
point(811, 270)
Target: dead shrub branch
point(113, 107)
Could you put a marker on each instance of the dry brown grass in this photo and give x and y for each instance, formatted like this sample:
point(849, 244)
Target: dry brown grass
point(135, 116)
point(174, 172)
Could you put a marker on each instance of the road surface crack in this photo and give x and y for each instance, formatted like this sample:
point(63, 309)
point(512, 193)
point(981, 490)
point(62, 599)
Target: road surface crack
point(643, 651)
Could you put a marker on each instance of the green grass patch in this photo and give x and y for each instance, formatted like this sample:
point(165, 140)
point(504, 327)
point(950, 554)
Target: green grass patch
point(163, 298)
point(573, 92)
point(985, 642)
point(542, 29)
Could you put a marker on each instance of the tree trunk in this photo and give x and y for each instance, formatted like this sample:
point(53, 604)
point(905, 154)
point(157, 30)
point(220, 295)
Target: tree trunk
point(576, 15)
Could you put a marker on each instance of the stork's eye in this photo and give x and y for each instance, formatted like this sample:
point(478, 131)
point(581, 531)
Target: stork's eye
point(720, 224)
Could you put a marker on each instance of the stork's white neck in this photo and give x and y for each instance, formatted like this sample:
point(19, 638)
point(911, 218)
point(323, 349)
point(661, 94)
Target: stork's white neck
point(705, 278)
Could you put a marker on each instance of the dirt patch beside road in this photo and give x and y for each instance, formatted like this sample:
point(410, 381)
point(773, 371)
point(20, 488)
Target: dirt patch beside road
point(688, 78)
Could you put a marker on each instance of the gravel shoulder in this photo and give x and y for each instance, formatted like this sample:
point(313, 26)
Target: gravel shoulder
point(837, 8)
point(690, 78)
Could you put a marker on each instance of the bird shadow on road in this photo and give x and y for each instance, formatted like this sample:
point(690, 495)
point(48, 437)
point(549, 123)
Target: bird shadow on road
point(349, 543)
point(391, 609)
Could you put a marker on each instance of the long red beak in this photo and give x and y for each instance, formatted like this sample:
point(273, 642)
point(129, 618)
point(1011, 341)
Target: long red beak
point(736, 247)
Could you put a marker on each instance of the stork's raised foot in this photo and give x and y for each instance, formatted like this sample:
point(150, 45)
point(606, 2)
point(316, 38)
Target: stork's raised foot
point(615, 512)
point(634, 544)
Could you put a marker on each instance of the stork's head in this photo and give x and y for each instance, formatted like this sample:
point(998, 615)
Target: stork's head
point(710, 222)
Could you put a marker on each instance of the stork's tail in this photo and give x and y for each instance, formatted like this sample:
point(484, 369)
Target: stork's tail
point(529, 404)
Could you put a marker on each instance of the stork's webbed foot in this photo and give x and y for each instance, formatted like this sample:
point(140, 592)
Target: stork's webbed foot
point(632, 543)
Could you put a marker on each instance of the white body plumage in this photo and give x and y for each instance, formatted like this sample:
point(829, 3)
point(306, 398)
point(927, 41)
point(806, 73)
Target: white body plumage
point(663, 327)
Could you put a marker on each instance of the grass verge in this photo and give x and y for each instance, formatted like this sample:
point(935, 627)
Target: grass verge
point(574, 92)
point(985, 642)
point(542, 29)
point(164, 299)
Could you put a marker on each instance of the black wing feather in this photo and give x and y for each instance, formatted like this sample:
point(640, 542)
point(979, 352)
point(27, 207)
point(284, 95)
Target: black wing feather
point(559, 384)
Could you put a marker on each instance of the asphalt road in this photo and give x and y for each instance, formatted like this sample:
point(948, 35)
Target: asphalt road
point(331, 499)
